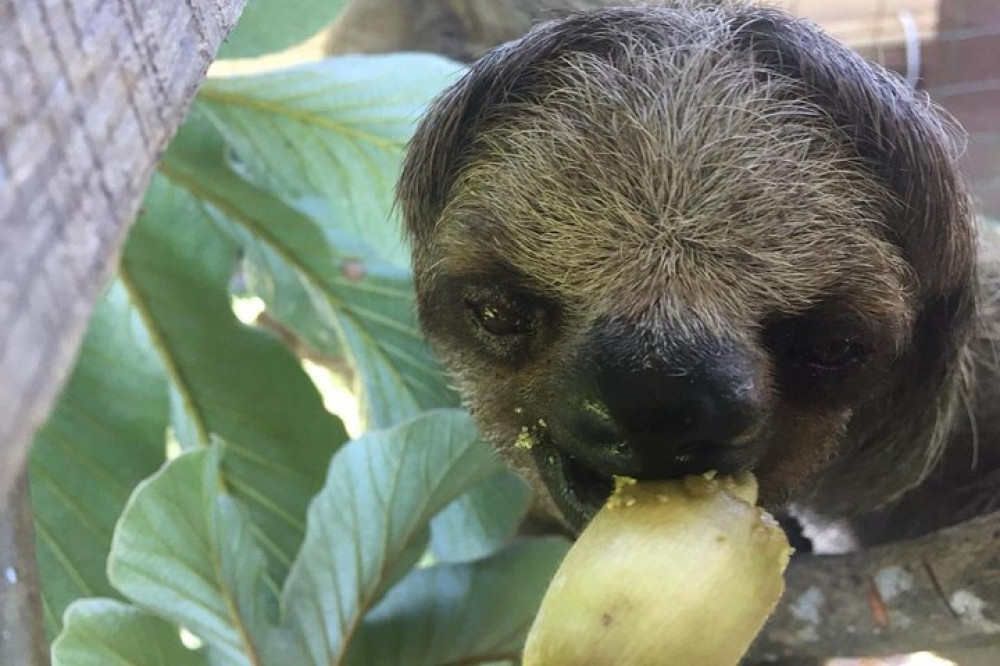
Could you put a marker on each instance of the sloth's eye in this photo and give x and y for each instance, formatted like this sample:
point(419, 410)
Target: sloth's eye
point(508, 323)
point(497, 314)
point(822, 340)
point(823, 356)
point(830, 354)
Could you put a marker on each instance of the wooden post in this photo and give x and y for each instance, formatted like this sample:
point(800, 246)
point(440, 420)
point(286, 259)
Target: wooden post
point(91, 91)
point(22, 634)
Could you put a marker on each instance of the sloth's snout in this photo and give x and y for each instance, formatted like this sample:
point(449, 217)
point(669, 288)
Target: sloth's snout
point(663, 403)
point(678, 418)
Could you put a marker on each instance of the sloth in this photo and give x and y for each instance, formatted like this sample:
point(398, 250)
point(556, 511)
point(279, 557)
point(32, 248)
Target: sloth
point(658, 241)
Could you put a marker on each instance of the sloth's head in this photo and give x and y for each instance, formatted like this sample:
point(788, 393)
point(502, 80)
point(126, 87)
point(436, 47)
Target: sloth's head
point(652, 242)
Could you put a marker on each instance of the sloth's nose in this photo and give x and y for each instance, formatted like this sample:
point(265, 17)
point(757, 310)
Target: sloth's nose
point(671, 402)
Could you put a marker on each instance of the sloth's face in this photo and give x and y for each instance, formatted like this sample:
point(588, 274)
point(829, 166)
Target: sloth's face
point(658, 264)
point(623, 297)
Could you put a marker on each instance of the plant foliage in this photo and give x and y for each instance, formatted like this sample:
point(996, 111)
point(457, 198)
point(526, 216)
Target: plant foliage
point(195, 501)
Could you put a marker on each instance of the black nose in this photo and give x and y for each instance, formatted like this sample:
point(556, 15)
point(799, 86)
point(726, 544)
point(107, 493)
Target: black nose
point(669, 402)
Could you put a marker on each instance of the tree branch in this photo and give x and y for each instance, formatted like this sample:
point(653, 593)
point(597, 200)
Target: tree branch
point(936, 592)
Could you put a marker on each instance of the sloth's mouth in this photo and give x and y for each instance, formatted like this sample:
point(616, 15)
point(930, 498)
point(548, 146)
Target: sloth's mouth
point(580, 490)
point(590, 488)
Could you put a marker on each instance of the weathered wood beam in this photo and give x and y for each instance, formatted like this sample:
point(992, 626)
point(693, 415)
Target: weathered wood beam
point(91, 91)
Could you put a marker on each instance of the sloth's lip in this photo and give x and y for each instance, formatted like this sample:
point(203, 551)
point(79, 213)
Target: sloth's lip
point(579, 491)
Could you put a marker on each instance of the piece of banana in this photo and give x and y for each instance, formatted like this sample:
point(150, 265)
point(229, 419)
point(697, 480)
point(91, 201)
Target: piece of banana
point(668, 573)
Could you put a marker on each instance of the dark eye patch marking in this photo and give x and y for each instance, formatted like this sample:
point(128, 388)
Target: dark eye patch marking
point(495, 313)
point(831, 352)
point(826, 355)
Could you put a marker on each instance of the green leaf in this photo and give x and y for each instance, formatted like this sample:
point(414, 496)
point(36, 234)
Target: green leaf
point(103, 632)
point(369, 524)
point(482, 520)
point(184, 550)
point(273, 25)
point(334, 130)
point(105, 435)
point(165, 328)
point(461, 613)
point(367, 303)
point(226, 379)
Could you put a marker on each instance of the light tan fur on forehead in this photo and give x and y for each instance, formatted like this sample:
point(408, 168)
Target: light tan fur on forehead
point(680, 174)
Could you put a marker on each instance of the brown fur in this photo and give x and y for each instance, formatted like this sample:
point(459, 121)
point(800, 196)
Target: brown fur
point(716, 168)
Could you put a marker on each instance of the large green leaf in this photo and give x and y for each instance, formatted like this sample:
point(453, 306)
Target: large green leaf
point(226, 379)
point(335, 130)
point(184, 549)
point(460, 613)
point(104, 632)
point(481, 521)
point(165, 328)
point(369, 525)
point(368, 303)
point(104, 436)
point(273, 25)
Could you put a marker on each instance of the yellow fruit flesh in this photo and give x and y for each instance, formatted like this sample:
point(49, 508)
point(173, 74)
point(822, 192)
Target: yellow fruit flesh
point(668, 572)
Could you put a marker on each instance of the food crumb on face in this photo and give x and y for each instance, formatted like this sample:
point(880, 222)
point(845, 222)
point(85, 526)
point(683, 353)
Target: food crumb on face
point(624, 481)
point(524, 439)
point(617, 499)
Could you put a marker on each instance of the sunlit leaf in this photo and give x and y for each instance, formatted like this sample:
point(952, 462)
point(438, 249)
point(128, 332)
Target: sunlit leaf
point(184, 549)
point(368, 303)
point(334, 130)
